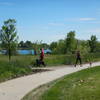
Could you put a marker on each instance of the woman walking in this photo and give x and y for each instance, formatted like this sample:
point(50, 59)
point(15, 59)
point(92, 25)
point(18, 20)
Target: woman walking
point(42, 57)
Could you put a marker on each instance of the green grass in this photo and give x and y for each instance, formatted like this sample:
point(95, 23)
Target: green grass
point(12, 70)
point(82, 85)
point(70, 59)
point(19, 64)
point(16, 68)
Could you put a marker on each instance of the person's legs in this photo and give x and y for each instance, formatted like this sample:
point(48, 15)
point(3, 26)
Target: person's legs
point(43, 64)
point(76, 62)
point(80, 62)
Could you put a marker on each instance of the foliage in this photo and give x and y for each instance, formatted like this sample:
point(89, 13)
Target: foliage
point(12, 70)
point(93, 43)
point(53, 45)
point(60, 47)
point(18, 65)
point(83, 46)
point(25, 45)
point(9, 36)
point(98, 47)
point(70, 42)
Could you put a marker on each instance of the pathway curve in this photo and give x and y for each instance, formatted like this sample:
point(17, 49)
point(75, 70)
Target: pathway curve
point(17, 88)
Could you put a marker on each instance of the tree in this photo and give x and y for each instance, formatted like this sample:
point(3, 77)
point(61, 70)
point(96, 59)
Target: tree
point(53, 45)
point(0, 34)
point(83, 46)
point(92, 43)
point(9, 36)
point(21, 44)
point(0, 40)
point(28, 44)
point(70, 42)
point(98, 47)
point(60, 49)
point(45, 45)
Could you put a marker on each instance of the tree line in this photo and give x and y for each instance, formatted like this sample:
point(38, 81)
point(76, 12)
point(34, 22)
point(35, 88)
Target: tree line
point(9, 41)
point(70, 44)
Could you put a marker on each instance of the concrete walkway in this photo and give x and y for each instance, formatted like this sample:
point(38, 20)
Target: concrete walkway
point(17, 88)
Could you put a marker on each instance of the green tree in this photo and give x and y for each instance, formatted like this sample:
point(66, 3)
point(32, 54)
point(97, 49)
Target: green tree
point(45, 45)
point(0, 40)
point(60, 49)
point(98, 46)
point(83, 46)
point(53, 45)
point(21, 44)
point(9, 36)
point(92, 43)
point(28, 44)
point(70, 42)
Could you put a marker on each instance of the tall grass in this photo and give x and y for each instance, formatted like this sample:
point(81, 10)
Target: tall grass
point(71, 59)
point(17, 67)
point(19, 64)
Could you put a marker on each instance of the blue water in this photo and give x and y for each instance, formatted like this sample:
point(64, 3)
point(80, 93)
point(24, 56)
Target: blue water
point(26, 52)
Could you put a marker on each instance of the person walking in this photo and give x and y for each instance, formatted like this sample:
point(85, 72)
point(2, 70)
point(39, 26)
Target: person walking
point(42, 57)
point(41, 54)
point(78, 58)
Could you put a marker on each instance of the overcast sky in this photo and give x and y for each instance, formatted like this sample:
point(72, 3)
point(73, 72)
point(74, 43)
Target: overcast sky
point(51, 20)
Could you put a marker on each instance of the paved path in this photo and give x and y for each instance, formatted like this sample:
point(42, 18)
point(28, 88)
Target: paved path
point(15, 89)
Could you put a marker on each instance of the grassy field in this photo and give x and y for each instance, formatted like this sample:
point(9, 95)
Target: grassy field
point(16, 68)
point(82, 85)
point(19, 64)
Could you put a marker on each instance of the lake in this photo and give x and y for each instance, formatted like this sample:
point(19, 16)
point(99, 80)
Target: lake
point(26, 52)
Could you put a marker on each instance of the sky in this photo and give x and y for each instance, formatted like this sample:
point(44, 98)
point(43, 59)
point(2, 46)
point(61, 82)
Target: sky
point(51, 20)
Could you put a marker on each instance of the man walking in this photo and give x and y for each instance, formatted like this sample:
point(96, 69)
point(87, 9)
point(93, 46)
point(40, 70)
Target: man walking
point(78, 58)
